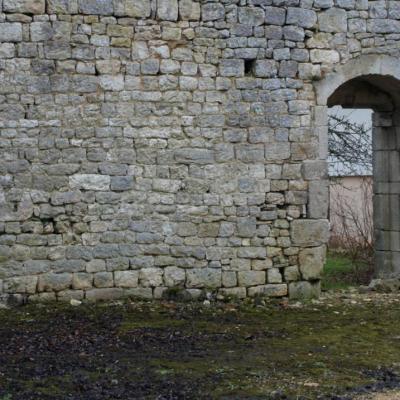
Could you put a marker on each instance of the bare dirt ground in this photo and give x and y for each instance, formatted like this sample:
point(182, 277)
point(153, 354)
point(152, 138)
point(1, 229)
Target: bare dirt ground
point(393, 395)
point(343, 346)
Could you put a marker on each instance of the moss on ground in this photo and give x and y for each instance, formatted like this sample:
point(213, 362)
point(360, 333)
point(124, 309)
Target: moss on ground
point(225, 351)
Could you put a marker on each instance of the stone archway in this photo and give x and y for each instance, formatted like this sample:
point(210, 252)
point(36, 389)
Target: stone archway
point(372, 82)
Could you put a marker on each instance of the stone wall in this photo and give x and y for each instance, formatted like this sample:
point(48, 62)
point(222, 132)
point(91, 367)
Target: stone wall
point(151, 144)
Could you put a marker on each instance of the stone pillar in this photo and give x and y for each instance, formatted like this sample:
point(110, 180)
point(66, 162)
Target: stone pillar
point(386, 166)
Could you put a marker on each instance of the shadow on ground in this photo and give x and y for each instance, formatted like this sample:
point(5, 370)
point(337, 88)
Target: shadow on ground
point(331, 349)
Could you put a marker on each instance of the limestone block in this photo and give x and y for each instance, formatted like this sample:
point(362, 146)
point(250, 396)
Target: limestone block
point(333, 20)
point(212, 11)
point(89, 182)
point(271, 290)
point(318, 199)
point(105, 294)
point(311, 262)
point(251, 16)
point(237, 292)
point(310, 232)
point(189, 10)
point(251, 278)
point(291, 273)
point(10, 32)
point(383, 25)
point(231, 67)
point(324, 56)
point(274, 275)
point(275, 16)
point(323, 3)
point(265, 68)
point(174, 276)
point(203, 277)
point(24, 6)
point(96, 7)
point(112, 82)
point(54, 282)
point(126, 279)
point(301, 17)
point(150, 277)
point(303, 290)
point(246, 226)
point(62, 6)
point(250, 153)
point(252, 252)
point(136, 9)
point(7, 50)
point(41, 31)
point(68, 295)
point(121, 183)
point(314, 169)
point(21, 284)
point(167, 10)
point(229, 279)
point(195, 156)
point(103, 279)
point(82, 280)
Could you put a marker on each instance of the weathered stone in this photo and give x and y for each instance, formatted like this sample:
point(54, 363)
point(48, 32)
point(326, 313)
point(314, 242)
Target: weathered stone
point(251, 278)
point(89, 182)
point(203, 278)
point(10, 32)
point(150, 277)
point(174, 276)
point(103, 279)
point(231, 68)
point(96, 7)
point(82, 281)
point(310, 232)
point(54, 282)
point(62, 6)
point(301, 17)
point(212, 11)
point(24, 6)
point(265, 68)
point(275, 16)
point(246, 227)
point(272, 290)
point(189, 10)
point(105, 294)
point(167, 10)
point(126, 279)
point(251, 16)
point(311, 262)
point(137, 9)
point(274, 275)
point(303, 290)
point(182, 143)
point(333, 20)
point(23, 284)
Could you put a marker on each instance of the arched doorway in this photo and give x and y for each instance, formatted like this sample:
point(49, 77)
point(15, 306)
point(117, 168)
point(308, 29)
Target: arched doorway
point(373, 82)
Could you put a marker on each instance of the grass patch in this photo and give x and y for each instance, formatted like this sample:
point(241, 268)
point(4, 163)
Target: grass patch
point(340, 272)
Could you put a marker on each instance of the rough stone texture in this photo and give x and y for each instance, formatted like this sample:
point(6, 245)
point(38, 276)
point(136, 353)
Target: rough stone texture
point(311, 261)
point(178, 143)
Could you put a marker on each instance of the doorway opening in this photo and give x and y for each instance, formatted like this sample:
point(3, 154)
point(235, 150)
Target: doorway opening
point(351, 245)
point(381, 94)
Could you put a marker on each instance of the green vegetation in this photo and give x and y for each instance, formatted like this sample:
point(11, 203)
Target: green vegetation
point(341, 271)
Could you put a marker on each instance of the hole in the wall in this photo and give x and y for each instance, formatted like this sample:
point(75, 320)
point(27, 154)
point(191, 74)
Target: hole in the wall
point(249, 65)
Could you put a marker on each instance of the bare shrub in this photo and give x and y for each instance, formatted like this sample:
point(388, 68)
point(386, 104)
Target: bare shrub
point(352, 229)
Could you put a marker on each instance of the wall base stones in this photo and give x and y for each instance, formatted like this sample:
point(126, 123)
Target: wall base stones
point(149, 145)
